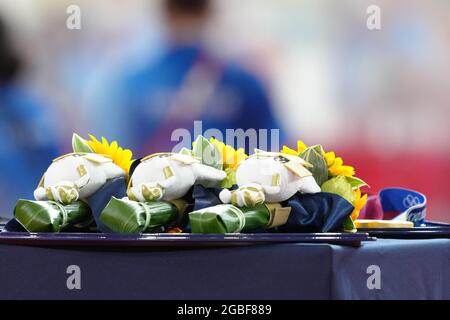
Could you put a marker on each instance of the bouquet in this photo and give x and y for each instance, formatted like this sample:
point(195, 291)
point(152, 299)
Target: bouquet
point(303, 190)
point(74, 187)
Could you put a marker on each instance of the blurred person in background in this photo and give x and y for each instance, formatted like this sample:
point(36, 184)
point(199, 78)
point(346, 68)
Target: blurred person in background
point(27, 142)
point(186, 83)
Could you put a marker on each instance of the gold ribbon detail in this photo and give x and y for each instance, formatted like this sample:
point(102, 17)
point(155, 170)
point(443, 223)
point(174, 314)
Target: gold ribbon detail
point(278, 215)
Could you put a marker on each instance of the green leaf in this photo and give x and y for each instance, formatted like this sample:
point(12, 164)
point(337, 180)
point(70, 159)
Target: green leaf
point(47, 216)
point(223, 218)
point(356, 182)
point(339, 186)
point(314, 155)
point(207, 152)
point(256, 217)
point(348, 225)
point(230, 180)
point(80, 145)
point(126, 216)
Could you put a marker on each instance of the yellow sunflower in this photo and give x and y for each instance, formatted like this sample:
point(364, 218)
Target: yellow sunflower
point(121, 157)
point(230, 157)
point(358, 203)
point(336, 166)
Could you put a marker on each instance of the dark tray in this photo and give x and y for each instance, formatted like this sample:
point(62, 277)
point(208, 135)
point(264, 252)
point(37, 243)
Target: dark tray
point(177, 239)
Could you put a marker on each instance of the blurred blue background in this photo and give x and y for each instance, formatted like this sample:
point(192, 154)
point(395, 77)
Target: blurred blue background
point(138, 69)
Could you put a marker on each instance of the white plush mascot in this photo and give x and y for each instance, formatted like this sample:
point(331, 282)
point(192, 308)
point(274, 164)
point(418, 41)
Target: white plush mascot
point(169, 176)
point(76, 176)
point(270, 177)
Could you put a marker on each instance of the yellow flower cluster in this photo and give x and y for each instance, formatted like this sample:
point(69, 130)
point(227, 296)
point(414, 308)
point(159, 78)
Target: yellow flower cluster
point(230, 157)
point(121, 157)
point(335, 164)
point(336, 167)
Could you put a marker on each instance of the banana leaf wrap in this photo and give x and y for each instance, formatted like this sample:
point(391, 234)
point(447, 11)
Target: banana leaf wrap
point(126, 216)
point(51, 216)
point(223, 218)
point(256, 218)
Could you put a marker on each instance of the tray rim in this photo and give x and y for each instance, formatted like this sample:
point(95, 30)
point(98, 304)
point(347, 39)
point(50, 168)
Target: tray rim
point(178, 239)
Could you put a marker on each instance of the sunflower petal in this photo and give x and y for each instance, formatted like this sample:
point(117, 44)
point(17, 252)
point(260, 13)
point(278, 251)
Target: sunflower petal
point(329, 157)
point(301, 146)
point(127, 154)
point(93, 138)
point(121, 157)
point(290, 151)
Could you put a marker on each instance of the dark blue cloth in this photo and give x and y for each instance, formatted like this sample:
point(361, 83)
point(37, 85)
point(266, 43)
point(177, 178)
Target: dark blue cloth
point(205, 197)
point(14, 226)
point(99, 200)
point(198, 198)
point(410, 269)
point(320, 212)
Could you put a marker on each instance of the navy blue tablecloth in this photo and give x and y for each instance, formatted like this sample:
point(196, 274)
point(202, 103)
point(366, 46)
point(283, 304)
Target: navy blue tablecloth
point(407, 269)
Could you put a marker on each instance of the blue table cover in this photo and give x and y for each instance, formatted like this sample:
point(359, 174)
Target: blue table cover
point(408, 269)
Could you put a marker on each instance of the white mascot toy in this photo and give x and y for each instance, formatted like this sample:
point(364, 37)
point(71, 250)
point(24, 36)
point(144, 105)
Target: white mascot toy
point(76, 176)
point(270, 177)
point(169, 176)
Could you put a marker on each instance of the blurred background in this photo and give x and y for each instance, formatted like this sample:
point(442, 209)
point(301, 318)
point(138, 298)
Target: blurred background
point(138, 69)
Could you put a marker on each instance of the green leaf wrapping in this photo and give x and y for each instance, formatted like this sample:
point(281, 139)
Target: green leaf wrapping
point(227, 218)
point(50, 216)
point(126, 216)
point(256, 217)
point(223, 218)
point(314, 155)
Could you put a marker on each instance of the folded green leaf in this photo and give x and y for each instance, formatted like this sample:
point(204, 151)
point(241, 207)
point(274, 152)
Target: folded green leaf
point(314, 155)
point(126, 216)
point(50, 216)
point(207, 152)
point(356, 182)
point(80, 145)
